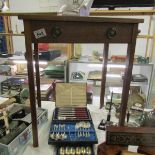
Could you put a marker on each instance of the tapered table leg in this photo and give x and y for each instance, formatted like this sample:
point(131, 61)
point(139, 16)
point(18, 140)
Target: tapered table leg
point(29, 58)
point(127, 76)
point(36, 57)
point(104, 72)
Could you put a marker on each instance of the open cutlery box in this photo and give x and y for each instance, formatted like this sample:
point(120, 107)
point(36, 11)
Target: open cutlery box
point(72, 123)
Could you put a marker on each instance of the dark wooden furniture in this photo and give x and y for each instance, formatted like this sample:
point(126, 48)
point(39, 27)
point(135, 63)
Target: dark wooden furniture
point(104, 149)
point(65, 29)
point(146, 150)
point(139, 136)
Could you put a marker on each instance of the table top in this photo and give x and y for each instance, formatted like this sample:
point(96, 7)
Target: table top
point(79, 18)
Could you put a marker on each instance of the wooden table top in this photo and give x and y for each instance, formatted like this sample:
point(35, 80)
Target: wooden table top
point(79, 18)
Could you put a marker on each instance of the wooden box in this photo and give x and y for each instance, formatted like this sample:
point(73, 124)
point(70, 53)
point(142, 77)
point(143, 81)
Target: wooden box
point(130, 136)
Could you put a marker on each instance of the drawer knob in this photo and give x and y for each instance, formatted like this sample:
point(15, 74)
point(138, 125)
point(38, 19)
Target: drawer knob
point(56, 32)
point(111, 32)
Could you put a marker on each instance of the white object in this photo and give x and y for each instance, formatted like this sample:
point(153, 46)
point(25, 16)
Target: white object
point(25, 62)
point(5, 7)
point(85, 7)
point(82, 9)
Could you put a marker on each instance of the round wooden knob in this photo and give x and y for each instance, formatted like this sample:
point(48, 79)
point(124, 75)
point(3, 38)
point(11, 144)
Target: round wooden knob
point(111, 32)
point(56, 32)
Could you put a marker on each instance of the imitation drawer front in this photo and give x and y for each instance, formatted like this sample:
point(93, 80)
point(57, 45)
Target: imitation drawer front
point(81, 32)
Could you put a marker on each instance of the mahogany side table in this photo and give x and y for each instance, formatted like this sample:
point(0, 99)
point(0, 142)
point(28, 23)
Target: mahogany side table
point(41, 28)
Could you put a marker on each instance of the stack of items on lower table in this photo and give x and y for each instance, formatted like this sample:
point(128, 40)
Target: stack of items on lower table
point(5, 69)
point(47, 88)
point(16, 127)
point(45, 91)
point(72, 129)
point(12, 83)
point(54, 71)
point(119, 138)
point(13, 88)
